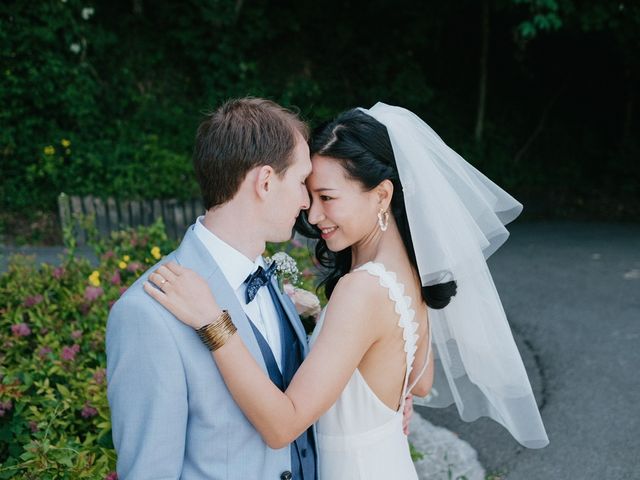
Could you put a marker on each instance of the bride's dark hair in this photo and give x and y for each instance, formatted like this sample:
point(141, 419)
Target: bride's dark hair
point(362, 146)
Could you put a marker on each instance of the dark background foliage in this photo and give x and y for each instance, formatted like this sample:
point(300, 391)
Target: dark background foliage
point(541, 95)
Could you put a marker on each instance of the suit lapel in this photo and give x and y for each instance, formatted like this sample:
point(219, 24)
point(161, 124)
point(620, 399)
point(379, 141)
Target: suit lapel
point(292, 315)
point(193, 254)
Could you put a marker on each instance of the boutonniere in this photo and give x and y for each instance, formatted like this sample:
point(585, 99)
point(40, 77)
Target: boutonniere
point(307, 303)
point(286, 269)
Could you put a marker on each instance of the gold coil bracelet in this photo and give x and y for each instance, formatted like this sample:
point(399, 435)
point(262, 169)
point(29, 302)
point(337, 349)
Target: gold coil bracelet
point(215, 334)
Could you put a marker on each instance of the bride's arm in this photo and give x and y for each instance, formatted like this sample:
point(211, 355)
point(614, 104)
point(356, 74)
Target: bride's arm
point(349, 330)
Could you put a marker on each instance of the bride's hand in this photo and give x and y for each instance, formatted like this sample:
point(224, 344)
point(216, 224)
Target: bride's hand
point(184, 293)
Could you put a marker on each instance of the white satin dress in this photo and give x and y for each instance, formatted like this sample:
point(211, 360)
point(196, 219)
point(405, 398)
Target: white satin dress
point(360, 437)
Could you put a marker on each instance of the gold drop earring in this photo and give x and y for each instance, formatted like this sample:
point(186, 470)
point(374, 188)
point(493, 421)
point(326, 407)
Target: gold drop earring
point(383, 219)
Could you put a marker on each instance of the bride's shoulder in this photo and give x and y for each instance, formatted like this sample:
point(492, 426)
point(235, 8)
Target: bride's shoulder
point(354, 306)
point(359, 287)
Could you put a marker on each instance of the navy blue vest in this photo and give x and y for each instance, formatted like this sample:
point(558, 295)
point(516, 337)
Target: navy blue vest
point(303, 457)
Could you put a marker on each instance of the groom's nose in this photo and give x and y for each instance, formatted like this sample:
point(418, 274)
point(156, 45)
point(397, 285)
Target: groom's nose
point(305, 200)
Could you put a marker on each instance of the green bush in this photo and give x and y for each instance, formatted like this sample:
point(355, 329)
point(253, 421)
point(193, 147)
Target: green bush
point(54, 415)
point(126, 94)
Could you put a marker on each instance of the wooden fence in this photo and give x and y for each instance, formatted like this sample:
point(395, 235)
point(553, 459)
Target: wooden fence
point(112, 214)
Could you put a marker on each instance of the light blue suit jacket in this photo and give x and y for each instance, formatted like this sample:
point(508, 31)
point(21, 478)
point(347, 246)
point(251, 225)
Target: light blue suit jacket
point(172, 415)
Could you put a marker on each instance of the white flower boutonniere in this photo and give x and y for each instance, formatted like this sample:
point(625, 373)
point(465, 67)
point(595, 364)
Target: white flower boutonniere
point(286, 268)
point(307, 303)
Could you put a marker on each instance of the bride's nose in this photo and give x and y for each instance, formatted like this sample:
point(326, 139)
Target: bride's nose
point(315, 214)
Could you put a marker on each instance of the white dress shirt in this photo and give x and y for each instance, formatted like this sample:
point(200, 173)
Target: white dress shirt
point(236, 267)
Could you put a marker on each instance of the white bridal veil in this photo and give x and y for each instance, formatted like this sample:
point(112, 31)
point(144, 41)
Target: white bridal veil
point(457, 217)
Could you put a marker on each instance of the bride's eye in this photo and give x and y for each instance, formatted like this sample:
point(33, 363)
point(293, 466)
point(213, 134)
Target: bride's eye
point(325, 198)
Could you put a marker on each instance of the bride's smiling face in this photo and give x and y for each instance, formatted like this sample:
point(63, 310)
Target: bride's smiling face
point(340, 207)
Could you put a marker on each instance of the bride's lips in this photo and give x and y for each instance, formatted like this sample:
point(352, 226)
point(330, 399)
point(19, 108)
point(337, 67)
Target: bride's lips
point(327, 233)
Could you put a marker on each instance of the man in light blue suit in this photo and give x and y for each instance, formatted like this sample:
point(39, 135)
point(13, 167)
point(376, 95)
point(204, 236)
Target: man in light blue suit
point(172, 415)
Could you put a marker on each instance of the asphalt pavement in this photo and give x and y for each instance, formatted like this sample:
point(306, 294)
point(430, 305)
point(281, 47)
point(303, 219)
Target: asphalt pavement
point(571, 292)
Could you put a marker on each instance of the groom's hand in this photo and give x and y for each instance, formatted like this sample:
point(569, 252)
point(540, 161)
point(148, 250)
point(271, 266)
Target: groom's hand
point(407, 414)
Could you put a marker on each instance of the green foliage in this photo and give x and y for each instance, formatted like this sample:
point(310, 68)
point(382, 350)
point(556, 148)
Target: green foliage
point(126, 83)
point(54, 415)
point(415, 453)
point(544, 17)
point(125, 93)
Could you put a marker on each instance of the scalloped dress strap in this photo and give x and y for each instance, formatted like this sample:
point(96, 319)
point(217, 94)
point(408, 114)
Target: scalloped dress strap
point(403, 309)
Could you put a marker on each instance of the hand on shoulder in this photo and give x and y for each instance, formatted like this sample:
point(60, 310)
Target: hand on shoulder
point(184, 293)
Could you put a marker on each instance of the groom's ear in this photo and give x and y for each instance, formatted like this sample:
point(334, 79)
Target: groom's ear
point(264, 180)
point(384, 190)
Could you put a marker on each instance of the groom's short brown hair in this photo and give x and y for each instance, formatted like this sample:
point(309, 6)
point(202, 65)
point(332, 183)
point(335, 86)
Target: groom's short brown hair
point(240, 135)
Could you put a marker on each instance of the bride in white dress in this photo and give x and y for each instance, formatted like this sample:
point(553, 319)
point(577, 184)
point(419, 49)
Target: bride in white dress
point(399, 228)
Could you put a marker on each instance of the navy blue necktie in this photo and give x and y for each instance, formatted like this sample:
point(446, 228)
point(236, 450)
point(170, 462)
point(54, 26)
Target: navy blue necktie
point(257, 280)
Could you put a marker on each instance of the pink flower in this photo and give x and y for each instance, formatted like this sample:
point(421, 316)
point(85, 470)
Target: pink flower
point(58, 273)
point(111, 476)
point(92, 293)
point(44, 352)
point(33, 426)
point(134, 266)
point(34, 300)
point(20, 330)
point(307, 303)
point(5, 407)
point(108, 255)
point(296, 243)
point(115, 278)
point(76, 334)
point(84, 308)
point(88, 411)
point(69, 353)
point(99, 376)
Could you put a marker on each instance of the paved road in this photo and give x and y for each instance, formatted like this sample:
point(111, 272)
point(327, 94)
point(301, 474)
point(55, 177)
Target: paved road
point(572, 295)
point(42, 254)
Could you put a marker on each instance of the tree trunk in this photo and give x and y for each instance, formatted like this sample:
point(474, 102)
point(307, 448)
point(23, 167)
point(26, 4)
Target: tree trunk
point(541, 124)
point(482, 87)
point(137, 7)
point(629, 107)
point(238, 9)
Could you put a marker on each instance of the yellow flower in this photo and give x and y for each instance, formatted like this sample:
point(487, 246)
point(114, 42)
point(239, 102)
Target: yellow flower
point(94, 278)
point(126, 258)
point(49, 150)
point(65, 143)
point(155, 253)
point(122, 265)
